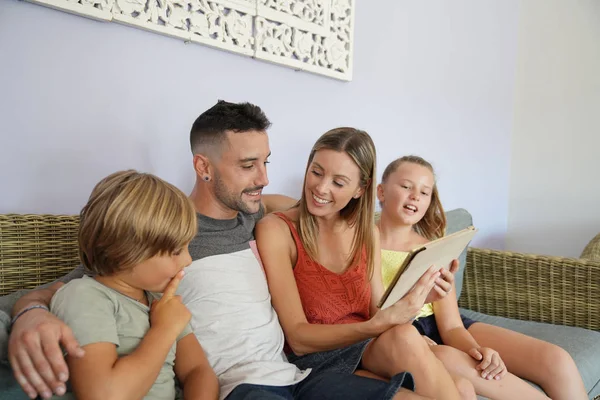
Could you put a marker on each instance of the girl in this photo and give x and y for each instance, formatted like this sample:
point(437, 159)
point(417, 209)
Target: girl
point(321, 259)
point(411, 216)
point(133, 236)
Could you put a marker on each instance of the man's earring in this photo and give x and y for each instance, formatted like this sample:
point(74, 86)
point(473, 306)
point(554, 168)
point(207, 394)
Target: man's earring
point(206, 178)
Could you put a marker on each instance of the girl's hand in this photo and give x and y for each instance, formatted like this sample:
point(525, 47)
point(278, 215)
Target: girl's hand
point(491, 366)
point(443, 284)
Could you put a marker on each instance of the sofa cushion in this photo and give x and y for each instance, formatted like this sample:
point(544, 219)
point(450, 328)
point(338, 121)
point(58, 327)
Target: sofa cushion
point(455, 221)
point(9, 388)
point(582, 344)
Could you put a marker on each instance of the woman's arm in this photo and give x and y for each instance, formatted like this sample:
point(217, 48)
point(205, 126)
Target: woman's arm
point(193, 370)
point(377, 289)
point(408, 307)
point(275, 245)
point(276, 248)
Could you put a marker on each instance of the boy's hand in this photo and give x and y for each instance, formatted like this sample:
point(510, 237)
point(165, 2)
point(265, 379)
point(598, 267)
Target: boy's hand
point(169, 313)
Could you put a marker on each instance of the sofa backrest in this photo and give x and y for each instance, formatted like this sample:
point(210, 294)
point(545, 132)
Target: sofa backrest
point(37, 249)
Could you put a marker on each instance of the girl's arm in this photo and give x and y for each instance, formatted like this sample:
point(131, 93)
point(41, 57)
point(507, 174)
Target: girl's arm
point(193, 370)
point(450, 325)
point(101, 374)
point(453, 333)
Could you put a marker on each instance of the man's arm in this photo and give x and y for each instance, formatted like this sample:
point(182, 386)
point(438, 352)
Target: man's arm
point(34, 344)
point(277, 202)
point(13, 303)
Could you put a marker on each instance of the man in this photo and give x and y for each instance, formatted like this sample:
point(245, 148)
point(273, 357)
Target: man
point(225, 287)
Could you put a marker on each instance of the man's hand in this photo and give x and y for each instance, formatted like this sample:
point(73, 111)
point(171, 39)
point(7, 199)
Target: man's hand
point(35, 355)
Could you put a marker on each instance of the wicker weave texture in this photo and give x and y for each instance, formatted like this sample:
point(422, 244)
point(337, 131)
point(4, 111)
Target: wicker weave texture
point(592, 250)
point(36, 249)
point(563, 291)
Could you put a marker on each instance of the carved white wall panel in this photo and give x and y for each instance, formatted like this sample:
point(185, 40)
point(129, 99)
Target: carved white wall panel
point(311, 35)
point(224, 24)
point(96, 9)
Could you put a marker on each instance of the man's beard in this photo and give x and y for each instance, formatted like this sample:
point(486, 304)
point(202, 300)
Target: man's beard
point(233, 200)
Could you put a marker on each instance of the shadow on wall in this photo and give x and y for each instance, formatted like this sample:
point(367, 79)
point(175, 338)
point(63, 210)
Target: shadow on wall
point(495, 241)
point(553, 240)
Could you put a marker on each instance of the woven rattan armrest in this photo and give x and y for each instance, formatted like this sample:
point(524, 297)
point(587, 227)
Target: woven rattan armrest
point(557, 290)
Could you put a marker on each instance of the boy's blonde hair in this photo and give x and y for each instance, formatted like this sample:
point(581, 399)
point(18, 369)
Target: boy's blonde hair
point(359, 212)
point(131, 217)
point(433, 224)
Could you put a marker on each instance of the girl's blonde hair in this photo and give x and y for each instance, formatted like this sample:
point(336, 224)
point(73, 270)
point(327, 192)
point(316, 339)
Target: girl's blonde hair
point(131, 217)
point(433, 224)
point(358, 212)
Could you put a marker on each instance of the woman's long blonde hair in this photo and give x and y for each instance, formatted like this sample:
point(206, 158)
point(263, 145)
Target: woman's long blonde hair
point(433, 224)
point(359, 212)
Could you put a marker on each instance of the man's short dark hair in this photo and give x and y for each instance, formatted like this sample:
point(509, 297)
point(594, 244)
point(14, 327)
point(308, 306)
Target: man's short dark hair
point(210, 127)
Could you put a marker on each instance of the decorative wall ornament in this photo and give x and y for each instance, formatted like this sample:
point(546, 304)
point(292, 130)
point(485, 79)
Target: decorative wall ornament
point(310, 35)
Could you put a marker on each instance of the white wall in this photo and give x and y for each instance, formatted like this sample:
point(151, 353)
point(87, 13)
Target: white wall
point(81, 99)
point(554, 183)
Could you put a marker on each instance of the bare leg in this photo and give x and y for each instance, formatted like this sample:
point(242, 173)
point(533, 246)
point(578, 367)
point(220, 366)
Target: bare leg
point(369, 374)
point(538, 361)
point(466, 390)
point(510, 387)
point(404, 394)
point(403, 349)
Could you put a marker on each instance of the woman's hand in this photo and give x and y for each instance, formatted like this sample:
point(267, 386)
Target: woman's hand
point(407, 308)
point(491, 365)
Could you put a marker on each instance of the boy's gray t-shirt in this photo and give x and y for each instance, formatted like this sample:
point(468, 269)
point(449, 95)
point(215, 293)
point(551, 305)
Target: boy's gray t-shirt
point(97, 313)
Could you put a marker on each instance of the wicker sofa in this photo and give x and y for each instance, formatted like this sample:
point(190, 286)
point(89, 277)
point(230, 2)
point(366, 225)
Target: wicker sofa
point(552, 298)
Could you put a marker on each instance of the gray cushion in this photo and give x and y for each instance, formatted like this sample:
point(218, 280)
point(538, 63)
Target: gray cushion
point(4, 326)
point(582, 344)
point(9, 388)
point(456, 220)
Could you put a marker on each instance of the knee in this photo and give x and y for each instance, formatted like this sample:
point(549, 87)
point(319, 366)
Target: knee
point(557, 362)
point(406, 338)
point(465, 388)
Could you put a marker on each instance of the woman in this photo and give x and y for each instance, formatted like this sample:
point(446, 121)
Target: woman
point(322, 260)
